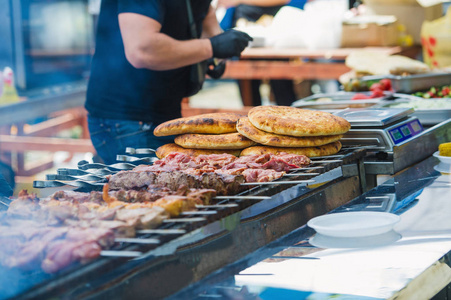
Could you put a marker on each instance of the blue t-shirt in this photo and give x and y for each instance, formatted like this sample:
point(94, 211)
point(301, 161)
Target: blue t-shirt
point(116, 89)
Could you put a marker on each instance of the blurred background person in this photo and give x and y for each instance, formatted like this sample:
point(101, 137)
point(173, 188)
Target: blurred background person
point(141, 70)
point(251, 11)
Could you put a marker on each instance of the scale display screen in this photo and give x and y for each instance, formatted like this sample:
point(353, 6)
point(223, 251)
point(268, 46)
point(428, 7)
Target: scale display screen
point(405, 131)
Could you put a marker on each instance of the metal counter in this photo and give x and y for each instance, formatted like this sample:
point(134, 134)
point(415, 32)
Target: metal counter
point(44, 103)
point(415, 266)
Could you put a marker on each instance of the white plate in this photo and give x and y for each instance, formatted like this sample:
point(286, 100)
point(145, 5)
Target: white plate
point(443, 168)
point(384, 239)
point(443, 159)
point(354, 224)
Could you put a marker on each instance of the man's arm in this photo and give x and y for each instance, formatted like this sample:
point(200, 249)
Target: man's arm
point(210, 25)
point(146, 47)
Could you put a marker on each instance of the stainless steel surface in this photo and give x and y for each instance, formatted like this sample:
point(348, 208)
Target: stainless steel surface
point(414, 83)
point(341, 100)
point(410, 151)
point(335, 101)
point(417, 266)
point(213, 241)
point(42, 106)
point(136, 160)
point(373, 117)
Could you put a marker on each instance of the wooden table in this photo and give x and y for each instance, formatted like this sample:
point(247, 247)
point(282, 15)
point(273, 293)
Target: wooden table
point(297, 64)
point(61, 111)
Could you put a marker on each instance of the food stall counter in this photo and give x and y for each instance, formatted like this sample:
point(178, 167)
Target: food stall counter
point(409, 261)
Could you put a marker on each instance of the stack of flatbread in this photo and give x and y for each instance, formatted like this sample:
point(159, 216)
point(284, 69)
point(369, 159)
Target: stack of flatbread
point(213, 133)
point(287, 129)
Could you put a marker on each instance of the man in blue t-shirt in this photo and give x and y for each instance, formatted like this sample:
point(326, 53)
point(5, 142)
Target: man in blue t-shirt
point(141, 66)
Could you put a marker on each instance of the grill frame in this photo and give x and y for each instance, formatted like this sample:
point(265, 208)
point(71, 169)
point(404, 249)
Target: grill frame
point(209, 245)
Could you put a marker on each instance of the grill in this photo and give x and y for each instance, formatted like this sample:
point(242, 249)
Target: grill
point(159, 262)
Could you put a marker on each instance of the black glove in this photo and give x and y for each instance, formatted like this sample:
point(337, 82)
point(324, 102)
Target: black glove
point(215, 70)
point(230, 43)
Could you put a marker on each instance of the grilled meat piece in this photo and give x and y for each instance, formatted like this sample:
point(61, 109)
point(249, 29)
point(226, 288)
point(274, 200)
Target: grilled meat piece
point(104, 237)
point(224, 184)
point(261, 175)
point(80, 245)
point(77, 197)
point(130, 180)
point(119, 228)
point(62, 253)
point(174, 205)
point(144, 218)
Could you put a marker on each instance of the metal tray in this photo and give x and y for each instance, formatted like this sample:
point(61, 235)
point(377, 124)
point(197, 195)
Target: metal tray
point(331, 102)
point(427, 116)
point(414, 83)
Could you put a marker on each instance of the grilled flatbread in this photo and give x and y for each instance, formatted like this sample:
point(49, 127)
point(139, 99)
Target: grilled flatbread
point(292, 121)
point(245, 127)
point(169, 148)
point(213, 141)
point(214, 123)
point(376, 63)
point(324, 150)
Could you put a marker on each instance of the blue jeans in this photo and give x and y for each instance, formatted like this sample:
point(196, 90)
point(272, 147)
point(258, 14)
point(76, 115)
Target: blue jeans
point(111, 137)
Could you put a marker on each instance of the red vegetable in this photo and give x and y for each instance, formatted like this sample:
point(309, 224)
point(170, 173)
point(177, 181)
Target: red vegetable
point(376, 93)
point(376, 86)
point(359, 96)
point(386, 84)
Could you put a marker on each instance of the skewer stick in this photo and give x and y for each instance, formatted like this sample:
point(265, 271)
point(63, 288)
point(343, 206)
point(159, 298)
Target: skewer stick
point(218, 205)
point(184, 220)
point(279, 182)
point(130, 150)
point(118, 253)
point(240, 197)
point(162, 231)
point(301, 174)
point(328, 156)
point(137, 241)
point(326, 161)
point(307, 168)
point(199, 212)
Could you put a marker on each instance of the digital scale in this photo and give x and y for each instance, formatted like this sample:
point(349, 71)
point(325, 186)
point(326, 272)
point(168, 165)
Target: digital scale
point(380, 128)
